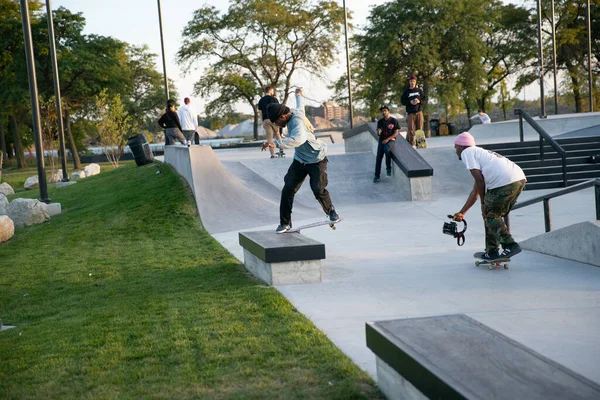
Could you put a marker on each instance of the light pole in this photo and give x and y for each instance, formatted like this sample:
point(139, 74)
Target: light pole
point(162, 47)
point(351, 113)
point(589, 32)
point(59, 114)
point(554, 59)
point(35, 106)
point(541, 59)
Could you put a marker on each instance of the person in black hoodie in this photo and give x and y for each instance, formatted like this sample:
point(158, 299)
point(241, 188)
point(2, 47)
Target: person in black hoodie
point(170, 121)
point(413, 98)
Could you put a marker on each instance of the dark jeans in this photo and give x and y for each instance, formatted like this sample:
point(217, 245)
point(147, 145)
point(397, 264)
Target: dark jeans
point(381, 150)
point(293, 180)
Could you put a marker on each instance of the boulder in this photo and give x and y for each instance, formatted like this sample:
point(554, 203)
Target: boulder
point(3, 204)
point(6, 189)
point(25, 212)
point(56, 177)
point(32, 183)
point(77, 175)
point(7, 228)
point(92, 169)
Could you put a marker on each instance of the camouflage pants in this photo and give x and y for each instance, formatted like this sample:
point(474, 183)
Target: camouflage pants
point(498, 202)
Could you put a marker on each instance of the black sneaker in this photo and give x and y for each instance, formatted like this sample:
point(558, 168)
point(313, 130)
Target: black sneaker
point(283, 228)
point(333, 216)
point(376, 179)
point(491, 255)
point(511, 250)
point(388, 172)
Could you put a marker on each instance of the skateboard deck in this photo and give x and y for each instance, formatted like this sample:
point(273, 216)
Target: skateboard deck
point(420, 139)
point(498, 262)
point(315, 224)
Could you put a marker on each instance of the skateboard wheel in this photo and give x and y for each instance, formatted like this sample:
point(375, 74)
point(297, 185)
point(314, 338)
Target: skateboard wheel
point(490, 267)
point(505, 266)
point(477, 263)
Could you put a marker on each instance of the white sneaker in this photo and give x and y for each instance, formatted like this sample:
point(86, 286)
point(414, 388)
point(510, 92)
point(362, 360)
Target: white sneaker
point(188, 143)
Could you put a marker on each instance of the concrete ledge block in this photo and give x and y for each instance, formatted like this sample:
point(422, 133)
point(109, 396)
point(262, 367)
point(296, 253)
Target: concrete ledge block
point(579, 242)
point(64, 184)
point(393, 385)
point(54, 209)
point(271, 247)
point(283, 273)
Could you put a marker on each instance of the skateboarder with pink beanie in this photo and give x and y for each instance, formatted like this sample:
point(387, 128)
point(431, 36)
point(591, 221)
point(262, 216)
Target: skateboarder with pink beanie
point(498, 183)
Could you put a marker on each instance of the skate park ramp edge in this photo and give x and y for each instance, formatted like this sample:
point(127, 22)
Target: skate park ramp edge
point(224, 202)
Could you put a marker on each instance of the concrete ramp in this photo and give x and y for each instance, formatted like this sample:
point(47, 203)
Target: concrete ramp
point(224, 202)
point(578, 242)
point(350, 180)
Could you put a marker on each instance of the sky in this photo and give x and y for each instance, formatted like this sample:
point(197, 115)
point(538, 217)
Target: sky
point(136, 22)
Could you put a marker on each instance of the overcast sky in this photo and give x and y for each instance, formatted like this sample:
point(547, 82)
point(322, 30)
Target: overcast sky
point(136, 22)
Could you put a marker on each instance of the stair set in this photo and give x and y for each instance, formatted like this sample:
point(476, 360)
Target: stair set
point(583, 161)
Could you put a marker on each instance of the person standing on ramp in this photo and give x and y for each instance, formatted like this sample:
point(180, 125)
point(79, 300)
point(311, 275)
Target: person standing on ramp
point(310, 159)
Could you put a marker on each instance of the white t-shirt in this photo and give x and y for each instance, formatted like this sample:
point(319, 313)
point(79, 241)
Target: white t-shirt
point(188, 118)
point(484, 118)
point(496, 169)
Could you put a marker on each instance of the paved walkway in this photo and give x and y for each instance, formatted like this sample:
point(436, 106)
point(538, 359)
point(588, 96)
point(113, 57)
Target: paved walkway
point(390, 260)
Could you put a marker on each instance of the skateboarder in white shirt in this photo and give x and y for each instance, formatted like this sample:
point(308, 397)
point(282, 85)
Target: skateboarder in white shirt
point(483, 117)
point(498, 182)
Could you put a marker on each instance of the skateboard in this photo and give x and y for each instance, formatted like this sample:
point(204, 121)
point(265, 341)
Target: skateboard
point(420, 139)
point(491, 263)
point(315, 224)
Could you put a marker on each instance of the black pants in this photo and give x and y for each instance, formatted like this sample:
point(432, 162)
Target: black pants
point(381, 150)
point(293, 180)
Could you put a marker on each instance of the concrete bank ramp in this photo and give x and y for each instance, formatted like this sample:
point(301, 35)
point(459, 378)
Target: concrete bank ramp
point(350, 180)
point(578, 242)
point(224, 202)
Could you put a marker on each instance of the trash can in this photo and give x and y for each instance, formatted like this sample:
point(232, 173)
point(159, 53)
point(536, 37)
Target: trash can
point(434, 125)
point(451, 129)
point(140, 148)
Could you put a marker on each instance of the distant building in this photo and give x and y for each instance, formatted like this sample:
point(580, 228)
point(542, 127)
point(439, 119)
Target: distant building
point(329, 111)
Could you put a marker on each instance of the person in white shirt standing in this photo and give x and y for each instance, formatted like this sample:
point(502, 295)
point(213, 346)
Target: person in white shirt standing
point(189, 120)
point(483, 117)
point(498, 183)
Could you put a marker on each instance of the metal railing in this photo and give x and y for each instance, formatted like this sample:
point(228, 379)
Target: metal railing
point(546, 200)
point(543, 135)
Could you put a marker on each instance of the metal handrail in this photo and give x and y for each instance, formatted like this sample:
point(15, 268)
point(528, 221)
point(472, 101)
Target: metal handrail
point(543, 135)
point(546, 199)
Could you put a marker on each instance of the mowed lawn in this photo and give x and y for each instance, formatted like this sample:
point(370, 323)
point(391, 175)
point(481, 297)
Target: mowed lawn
point(125, 295)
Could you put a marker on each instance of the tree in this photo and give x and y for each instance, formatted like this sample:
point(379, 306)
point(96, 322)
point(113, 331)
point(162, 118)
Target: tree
point(571, 44)
point(114, 125)
point(258, 43)
point(437, 40)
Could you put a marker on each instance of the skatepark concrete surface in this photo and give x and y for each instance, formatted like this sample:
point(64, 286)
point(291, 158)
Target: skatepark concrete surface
point(389, 259)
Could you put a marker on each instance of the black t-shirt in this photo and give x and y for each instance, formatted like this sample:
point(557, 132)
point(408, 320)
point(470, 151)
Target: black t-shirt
point(264, 102)
point(387, 126)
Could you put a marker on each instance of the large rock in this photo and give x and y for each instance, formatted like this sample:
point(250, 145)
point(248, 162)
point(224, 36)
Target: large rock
point(25, 212)
point(56, 177)
point(77, 175)
point(32, 183)
point(6, 189)
point(3, 204)
point(92, 169)
point(7, 228)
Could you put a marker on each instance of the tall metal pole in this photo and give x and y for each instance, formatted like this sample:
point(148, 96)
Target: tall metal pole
point(541, 60)
point(589, 32)
point(35, 106)
point(59, 114)
point(348, 67)
point(162, 47)
point(554, 59)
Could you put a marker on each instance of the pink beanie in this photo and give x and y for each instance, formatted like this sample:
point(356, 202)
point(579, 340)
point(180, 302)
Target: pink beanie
point(465, 139)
